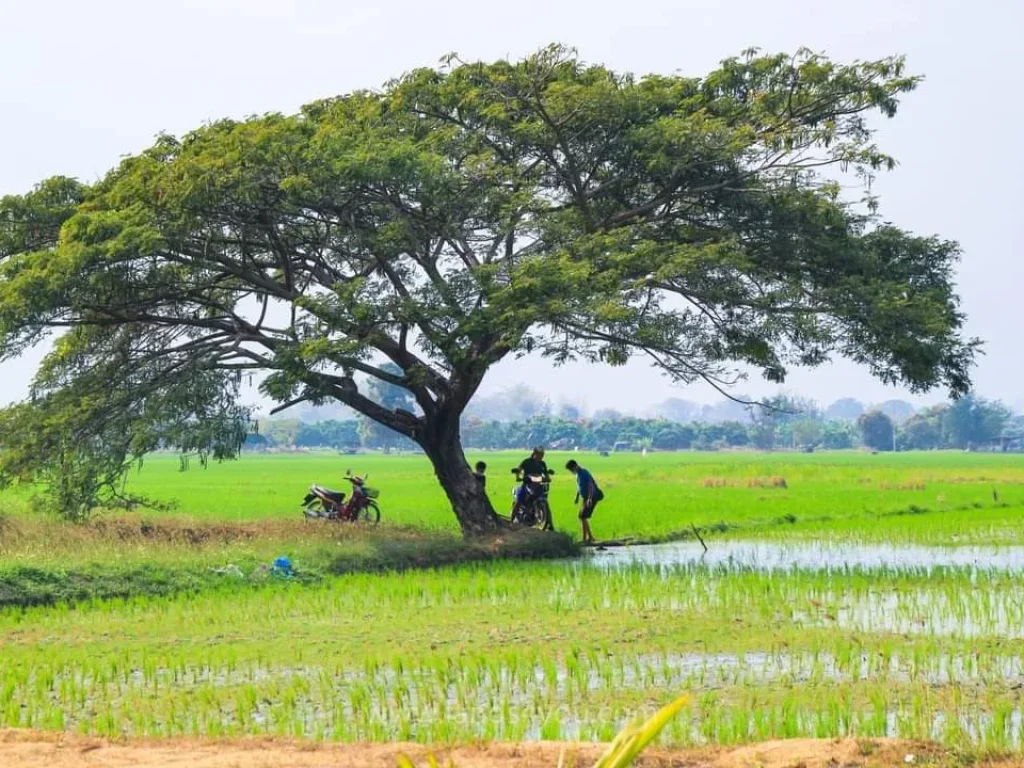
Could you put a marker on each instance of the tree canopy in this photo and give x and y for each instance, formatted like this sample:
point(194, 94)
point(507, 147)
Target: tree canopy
point(877, 430)
point(456, 216)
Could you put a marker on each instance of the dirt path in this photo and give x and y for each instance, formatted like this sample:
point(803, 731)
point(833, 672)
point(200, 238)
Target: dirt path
point(28, 749)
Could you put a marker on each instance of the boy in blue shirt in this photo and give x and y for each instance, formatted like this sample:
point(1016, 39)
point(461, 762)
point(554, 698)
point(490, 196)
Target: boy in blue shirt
point(586, 488)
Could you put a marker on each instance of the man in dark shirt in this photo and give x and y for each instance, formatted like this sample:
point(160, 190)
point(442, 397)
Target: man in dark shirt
point(534, 463)
point(531, 465)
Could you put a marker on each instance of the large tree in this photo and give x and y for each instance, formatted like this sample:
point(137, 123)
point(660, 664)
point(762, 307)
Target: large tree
point(455, 217)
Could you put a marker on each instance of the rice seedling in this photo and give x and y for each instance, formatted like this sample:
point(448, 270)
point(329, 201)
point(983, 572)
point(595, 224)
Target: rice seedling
point(814, 629)
point(485, 653)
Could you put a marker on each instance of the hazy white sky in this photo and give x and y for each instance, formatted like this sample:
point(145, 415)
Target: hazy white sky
point(82, 83)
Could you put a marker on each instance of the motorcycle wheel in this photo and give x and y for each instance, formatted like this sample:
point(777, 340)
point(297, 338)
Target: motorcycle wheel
point(528, 516)
point(369, 514)
point(543, 512)
point(313, 512)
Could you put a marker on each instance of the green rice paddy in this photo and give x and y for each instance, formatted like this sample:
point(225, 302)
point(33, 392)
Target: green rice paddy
point(655, 496)
point(928, 646)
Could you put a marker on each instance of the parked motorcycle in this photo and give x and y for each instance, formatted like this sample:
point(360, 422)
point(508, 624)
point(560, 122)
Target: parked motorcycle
point(325, 504)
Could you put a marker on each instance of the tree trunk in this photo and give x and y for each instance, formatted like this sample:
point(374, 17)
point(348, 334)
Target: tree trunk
point(468, 498)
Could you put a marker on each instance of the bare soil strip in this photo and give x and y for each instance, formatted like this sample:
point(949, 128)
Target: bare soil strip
point(30, 749)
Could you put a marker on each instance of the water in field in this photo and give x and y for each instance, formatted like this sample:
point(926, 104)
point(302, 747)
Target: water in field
point(416, 700)
point(780, 555)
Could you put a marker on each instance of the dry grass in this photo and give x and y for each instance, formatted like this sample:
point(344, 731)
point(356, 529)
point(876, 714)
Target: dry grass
point(23, 532)
point(911, 486)
point(750, 482)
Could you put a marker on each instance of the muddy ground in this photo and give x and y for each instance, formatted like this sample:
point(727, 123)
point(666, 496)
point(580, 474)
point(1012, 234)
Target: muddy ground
point(28, 749)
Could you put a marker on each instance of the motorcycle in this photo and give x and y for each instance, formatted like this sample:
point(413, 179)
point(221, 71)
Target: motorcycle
point(324, 504)
point(535, 510)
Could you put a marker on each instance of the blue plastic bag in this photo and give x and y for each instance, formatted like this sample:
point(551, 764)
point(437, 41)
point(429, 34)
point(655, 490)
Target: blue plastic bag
point(282, 567)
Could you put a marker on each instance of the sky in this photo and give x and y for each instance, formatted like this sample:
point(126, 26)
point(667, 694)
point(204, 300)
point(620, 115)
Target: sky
point(82, 84)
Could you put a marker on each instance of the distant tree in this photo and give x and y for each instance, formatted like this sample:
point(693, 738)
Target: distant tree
point(494, 435)
point(898, 411)
point(734, 433)
point(346, 434)
point(673, 437)
point(844, 409)
point(570, 412)
point(525, 403)
point(281, 432)
point(329, 411)
point(393, 398)
point(973, 420)
point(256, 443)
point(539, 431)
point(763, 433)
point(838, 435)
point(726, 410)
point(568, 431)
point(1015, 426)
point(608, 414)
point(454, 218)
point(329, 434)
point(876, 430)
point(675, 409)
point(770, 417)
point(520, 402)
point(605, 433)
point(630, 436)
point(311, 436)
point(923, 431)
point(807, 433)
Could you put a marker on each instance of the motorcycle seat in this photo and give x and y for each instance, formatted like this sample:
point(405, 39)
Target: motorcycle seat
point(335, 496)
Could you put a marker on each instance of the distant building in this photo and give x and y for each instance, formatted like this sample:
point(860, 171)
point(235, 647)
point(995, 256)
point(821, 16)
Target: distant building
point(1005, 443)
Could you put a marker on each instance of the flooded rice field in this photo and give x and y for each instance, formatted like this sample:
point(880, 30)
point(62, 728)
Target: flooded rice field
point(773, 555)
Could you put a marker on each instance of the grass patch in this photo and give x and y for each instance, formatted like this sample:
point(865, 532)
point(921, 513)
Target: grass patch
point(28, 586)
point(402, 553)
point(46, 562)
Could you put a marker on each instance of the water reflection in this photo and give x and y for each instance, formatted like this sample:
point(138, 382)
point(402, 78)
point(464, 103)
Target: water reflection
point(778, 555)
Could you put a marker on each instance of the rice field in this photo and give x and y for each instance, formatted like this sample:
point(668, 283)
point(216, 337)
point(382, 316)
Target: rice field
point(867, 596)
point(541, 651)
point(855, 494)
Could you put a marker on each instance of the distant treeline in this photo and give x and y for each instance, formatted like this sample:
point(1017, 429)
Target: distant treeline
point(781, 423)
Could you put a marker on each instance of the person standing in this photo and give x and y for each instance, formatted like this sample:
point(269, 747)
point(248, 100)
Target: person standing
point(586, 489)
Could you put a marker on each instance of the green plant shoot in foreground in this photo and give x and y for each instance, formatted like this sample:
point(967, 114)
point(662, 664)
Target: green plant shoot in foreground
point(627, 746)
